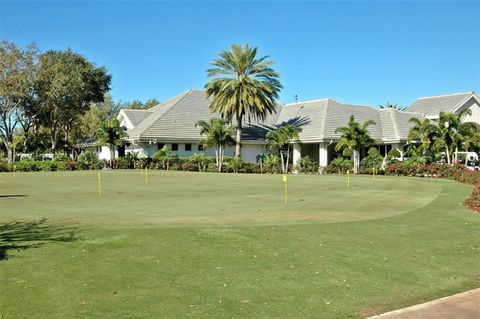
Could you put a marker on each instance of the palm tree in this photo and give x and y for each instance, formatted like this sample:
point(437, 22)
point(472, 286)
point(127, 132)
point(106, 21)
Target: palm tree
point(396, 106)
point(218, 134)
point(453, 132)
point(285, 135)
point(111, 133)
point(201, 160)
point(424, 132)
point(242, 86)
point(165, 156)
point(354, 137)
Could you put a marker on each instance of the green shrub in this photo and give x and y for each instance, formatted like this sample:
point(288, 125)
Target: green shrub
point(394, 153)
point(61, 158)
point(47, 166)
point(88, 160)
point(373, 151)
point(123, 163)
point(373, 160)
point(4, 167)
point(62, 162)
point(307, 165)
point(233, 164)
point(456, 172)
point(201, 160)
point(339, 165)
point(27, 165)
point(165, 157)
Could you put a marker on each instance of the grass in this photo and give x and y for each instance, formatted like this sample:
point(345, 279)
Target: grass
point(226, 246)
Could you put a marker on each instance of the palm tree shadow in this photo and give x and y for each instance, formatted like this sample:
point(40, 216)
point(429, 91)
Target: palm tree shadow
point(296, 121)
point(26, 234)
point(253, 131)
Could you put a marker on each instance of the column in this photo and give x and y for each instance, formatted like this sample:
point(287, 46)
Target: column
point(323, 154)
point(297, 153)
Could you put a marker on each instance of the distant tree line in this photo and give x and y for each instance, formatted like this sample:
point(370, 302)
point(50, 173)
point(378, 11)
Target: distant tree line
point(52, 100)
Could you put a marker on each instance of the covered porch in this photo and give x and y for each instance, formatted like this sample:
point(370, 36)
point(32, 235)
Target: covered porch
point(324, 152)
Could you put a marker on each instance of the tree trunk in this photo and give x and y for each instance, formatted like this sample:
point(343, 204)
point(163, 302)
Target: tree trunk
point(448, 155)
point(288, 159)
point(112, 155)
point(238, 146)
point(220, 159)
point(53, 139)
point(10, 157)
point(282, 162)
point(356, 161)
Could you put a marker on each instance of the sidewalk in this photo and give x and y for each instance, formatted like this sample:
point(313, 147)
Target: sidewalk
point(465, 305)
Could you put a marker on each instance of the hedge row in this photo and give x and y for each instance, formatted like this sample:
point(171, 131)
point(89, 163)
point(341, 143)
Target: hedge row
point(457, 172)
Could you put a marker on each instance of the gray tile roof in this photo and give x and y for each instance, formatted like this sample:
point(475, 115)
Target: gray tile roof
point(319, 120)
point(174, 120)
point(433, 105)
point(136, 116)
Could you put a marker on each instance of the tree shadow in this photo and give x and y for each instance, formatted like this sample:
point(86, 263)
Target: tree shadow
point(295, 121)
point(26, 234)
point(12, 195)
point(255, 131)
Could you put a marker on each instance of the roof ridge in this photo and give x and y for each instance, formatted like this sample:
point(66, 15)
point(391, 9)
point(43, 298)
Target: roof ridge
point(434, 96)
point(140, 110)
point(322, 134)
point(394, 122)
point(309, 101)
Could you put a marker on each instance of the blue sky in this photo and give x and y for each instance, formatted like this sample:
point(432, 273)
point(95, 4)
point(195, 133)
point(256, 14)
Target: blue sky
point(356, 52)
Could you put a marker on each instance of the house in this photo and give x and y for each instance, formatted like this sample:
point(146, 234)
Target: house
point(102, 151)
point(172, 123)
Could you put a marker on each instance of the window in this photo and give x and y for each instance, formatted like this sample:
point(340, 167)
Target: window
point(188, 147)
point(175, 147)
point(160, 145)
point(200, 147)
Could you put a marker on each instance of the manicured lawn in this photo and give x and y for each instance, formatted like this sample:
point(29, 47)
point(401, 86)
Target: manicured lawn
point(205, 245)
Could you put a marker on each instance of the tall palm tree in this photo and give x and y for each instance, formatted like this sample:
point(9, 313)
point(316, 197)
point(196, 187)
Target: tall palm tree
point(218, 134)
point(111, 133)
point(243, 86)
point(453, 132)
point(285, 135)
point(424, 132)
point(354, 137)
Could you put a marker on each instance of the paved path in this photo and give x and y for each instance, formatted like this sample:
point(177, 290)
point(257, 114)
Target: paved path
point(465, 305)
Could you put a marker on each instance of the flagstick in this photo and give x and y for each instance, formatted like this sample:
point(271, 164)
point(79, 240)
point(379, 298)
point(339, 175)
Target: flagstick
point(285, 181)
point(348, 179)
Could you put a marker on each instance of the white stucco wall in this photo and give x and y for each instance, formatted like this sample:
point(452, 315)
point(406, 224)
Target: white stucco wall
point(136, 148)
point(103, 153)
point(475, 109)
point(249, 151)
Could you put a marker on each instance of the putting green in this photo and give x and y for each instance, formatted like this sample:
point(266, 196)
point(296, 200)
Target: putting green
point(182, 198)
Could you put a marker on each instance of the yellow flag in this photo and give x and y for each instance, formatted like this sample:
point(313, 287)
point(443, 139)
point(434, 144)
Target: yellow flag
point(284, 178)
